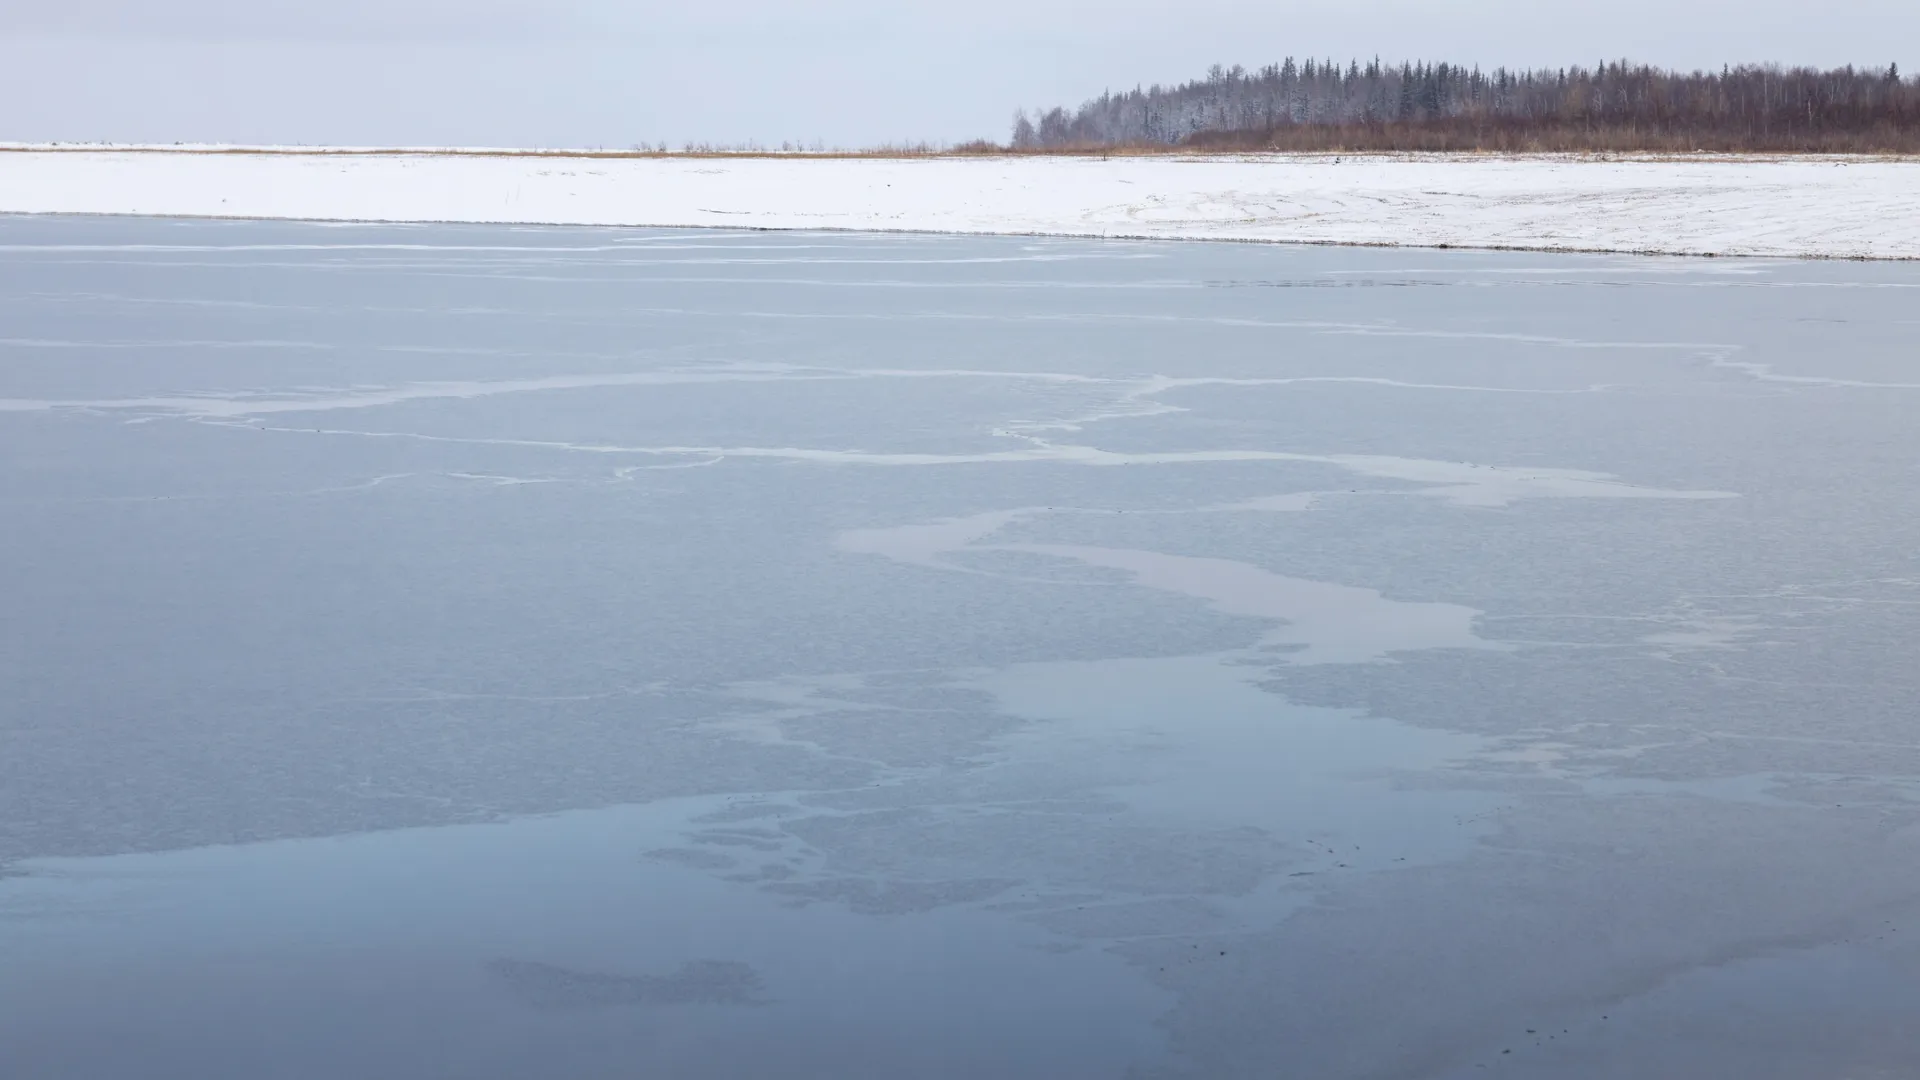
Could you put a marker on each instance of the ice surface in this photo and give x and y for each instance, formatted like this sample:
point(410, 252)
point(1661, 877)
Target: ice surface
point(578, 653)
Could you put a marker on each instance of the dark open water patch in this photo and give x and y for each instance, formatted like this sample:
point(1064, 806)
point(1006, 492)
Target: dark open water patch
point(696, 982)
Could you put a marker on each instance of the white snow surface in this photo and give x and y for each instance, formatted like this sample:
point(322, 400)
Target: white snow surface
point(1698, 205)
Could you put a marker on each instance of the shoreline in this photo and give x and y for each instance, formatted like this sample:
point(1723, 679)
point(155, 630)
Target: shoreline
point(909, 153)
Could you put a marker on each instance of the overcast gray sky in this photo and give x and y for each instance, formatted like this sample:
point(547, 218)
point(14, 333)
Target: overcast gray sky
point(847, 72)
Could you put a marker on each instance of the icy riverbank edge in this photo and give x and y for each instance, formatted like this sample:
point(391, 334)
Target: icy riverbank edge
point(1819, 207)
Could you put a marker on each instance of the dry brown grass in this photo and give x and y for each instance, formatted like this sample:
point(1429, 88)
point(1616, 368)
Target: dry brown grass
point(1466, 135)
point(1465, 138)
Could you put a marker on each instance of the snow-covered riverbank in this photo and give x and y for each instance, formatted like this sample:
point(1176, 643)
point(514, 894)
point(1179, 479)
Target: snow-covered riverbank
point(1828, 207)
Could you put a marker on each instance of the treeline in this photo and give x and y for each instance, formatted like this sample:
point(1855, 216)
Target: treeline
point(1325, 106)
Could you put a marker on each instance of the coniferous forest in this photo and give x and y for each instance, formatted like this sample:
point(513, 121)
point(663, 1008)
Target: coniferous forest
point(1327, 106)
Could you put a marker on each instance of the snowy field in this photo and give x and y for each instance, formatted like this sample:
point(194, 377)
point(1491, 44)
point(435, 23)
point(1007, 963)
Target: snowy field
point(1824, 207)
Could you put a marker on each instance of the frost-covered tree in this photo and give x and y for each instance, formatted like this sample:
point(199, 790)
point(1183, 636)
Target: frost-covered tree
point(1320, 103)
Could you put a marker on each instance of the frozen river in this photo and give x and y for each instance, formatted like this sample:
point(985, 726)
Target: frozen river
point(491, 652)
